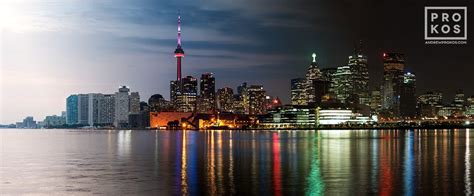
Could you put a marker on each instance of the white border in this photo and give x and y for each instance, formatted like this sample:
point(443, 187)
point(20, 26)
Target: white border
point(445, 38)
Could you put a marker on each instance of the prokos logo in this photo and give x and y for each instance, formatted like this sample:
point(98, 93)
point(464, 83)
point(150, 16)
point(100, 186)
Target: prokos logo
point(446, 25)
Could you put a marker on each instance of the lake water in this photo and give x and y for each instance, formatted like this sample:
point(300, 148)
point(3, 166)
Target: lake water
point(343, 162)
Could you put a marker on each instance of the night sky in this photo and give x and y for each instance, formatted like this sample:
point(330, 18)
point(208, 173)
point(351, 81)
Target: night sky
point(60, 48)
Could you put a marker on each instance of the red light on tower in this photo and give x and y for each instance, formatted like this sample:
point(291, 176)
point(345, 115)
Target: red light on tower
point(384, 54)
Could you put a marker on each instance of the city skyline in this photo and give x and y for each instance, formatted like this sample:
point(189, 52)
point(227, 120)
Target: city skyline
point(144, 63)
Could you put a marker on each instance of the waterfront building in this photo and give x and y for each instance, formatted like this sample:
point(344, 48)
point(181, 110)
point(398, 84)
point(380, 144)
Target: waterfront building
point(256, 100)
point(448, 110)
point(157, 103)
point(207, 98)
point(308, 117)
point(106, 109)
point(225, 99)
point(83, 109)
point(340, 116)
point(470, 106)
point(429, 104)
point(54, 121)
point(88, 113)
point(140, 120)
point(298, 91)
point(134, 103)
point(72, 110)
point(93, 117)
point(407, 96)
point(394, 65)
point(169, 119)
point(122, 107)
point(290, 117)
point(90, 109)
point(225, 120)
point(459, 103)
point(27, 123)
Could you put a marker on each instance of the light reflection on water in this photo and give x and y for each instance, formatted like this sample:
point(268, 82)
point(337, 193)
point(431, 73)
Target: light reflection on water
point(344, 162)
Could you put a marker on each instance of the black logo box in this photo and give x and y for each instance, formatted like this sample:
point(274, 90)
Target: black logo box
point(446, 23)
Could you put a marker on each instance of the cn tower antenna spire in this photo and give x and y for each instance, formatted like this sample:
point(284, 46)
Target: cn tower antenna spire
point(179, 28)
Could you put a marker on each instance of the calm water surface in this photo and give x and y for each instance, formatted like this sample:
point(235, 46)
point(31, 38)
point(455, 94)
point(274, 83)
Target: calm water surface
point(328, 162)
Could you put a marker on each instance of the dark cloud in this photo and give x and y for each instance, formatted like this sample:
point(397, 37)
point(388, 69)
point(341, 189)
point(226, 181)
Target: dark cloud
point(295, 29)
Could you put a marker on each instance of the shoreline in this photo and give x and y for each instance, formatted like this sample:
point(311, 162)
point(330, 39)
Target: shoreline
point(471, 126)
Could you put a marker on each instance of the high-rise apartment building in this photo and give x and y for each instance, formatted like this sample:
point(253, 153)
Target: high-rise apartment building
point(122, 106)
point(72, 110)
point(134, 103)
point(106, 109)
point(256, 100)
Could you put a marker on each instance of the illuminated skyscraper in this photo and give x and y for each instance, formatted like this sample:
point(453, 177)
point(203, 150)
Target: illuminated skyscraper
point(407, 96)
point(174, 92)
point(242, 92)
point(298, 91)
point(312, 75)
point(359, 75)
point(207, 97)
point(352, 80)
point(187, 98)
point(256, 100)
point(394, 65)
point(343, 87)
point(225, 99)
point(238, 106)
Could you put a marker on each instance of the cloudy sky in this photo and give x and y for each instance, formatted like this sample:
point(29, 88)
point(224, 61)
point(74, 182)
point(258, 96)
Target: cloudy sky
point(50, 49)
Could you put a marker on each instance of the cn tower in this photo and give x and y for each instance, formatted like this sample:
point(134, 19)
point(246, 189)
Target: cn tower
point(179, 52)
